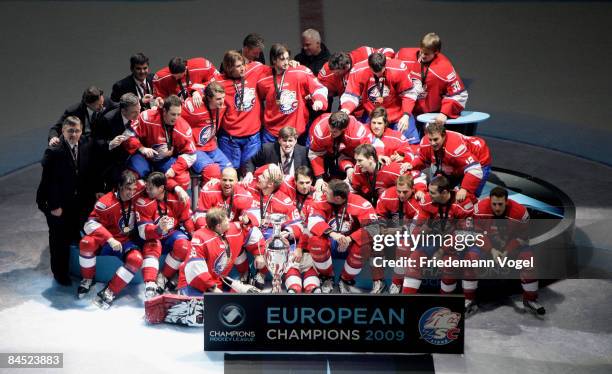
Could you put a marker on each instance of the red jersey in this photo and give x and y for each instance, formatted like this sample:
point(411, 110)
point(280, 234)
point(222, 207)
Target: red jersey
point(504, 233)
point(212, 197)
point(363, 87)
point(149, 132)
point(341, 149)
point(435, 215)
point(391, 142)
point(453, 159)
point(372, 186)
point(389, 206)
point(443, 89)
point(290, 108)
point(277, 202)
point(204, 125)
point(242, 116)
point(479, 148)
point(110, 216)
point(197, 72)
point(149, 211)
point(213, 256)
point(348, 219)
point(335, 82)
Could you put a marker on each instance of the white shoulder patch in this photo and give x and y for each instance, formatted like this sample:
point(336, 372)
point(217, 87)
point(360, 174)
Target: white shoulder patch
point(361, 131)
point(451, 76)
point(402, 65)
point(288, 200)
point(100, 205)
point(140, 201)
point(468, 206)
point(195, 241)
point(145, 115)
point(366, 204)
point(459, 150)
point(189, 105)
point(318, 132)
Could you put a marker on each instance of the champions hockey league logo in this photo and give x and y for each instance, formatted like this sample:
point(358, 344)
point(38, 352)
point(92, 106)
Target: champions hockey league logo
point(438, 326)
point(288, 103)
point(232, 315)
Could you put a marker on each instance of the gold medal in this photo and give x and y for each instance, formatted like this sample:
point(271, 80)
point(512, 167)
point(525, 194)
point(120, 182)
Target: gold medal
point(379, 100)
point(126, 229)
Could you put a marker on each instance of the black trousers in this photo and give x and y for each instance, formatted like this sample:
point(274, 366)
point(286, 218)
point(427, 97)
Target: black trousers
point(63, 231)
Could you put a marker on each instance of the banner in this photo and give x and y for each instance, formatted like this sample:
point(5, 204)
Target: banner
point(334, 323)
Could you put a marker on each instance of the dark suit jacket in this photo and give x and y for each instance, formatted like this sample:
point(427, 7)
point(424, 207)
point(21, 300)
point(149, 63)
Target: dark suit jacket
point(112, 162)
point(67, 185)
point(270, 153)
point(126, 85)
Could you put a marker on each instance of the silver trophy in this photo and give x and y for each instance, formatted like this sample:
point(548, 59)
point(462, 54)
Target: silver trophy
point(277, 252)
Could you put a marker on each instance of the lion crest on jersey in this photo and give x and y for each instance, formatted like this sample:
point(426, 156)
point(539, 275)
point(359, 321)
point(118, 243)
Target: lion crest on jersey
point(248, 100)
point(374, 93)
point(341, 226)
point(439, 326)
point(288, 102)
point(220, 262)
point(207, 133)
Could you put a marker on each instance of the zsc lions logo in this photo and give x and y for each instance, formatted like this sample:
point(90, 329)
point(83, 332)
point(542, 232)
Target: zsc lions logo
point(206, 134)
point(438, 326)
point(374, 93)
point(288, 103)
point(232, 315)
point(248, 100)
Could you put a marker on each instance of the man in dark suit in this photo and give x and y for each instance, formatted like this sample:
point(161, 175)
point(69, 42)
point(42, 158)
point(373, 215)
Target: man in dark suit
point(284, 152)
point(67, 193)
point(107, 135)
point(87, 111)
point(140, 82)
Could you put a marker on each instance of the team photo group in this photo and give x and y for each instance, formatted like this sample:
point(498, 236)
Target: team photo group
point(217, 166)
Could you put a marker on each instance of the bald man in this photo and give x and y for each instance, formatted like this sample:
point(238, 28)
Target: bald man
point(226, 194)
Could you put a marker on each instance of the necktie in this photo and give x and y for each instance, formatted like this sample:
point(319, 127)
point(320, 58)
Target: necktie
point(287, 165)
point(73, 149)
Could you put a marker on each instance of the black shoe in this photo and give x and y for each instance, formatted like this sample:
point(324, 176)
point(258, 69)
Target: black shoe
point(63, 280)
point(534, 307)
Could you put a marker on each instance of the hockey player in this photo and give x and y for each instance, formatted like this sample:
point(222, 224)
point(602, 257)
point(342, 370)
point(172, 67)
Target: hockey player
point(443, 91)
point(107, 233)
point(390, 145)
point(334, 138)
point(451, 157)
point(239, 137)
point(216, 249)
point(383, 82)
point(184, 78)
point(396, 208)
point(504, 220)
point(162, 216)
point(284, 90)
point(227, 194)
point(300, 190)
point(339, 223)
point(267, 200)
point(335, 72)
point(162, 141)
point(441, 213)
point(371, 178)
point(204, 122)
